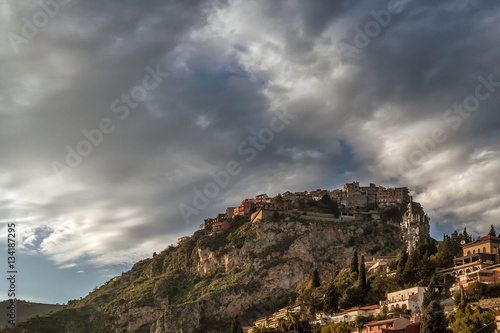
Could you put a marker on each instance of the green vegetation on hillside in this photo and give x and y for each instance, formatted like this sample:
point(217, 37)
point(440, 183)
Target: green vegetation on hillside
point(173, 275)
point(470, 320)
point(325, 205)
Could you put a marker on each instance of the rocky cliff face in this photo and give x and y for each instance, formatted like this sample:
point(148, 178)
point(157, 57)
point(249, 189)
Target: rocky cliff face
point(246, 271)
point(274, 258)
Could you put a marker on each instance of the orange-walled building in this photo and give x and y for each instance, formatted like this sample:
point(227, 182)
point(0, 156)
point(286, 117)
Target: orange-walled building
point(480, 262)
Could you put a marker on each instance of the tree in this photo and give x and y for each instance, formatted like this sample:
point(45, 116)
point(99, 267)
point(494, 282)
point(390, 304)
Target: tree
point(315, 279)
point(293, 318)
point(278, 200)
point(466, 237)
point(331, 298)
point(300, 204)
point(379, 286)
point(411, 273)
point(326, 199)
point(471, 321)
point(336, 210)
point(492, 232)
point(352, 296)
point(432, 293)
point(311, 297)
point(446, 251)
point(236, 326)
point(463, 303)
point(401, 264)
point(479, 290)
point(433, 319)
point(336, 328)
point(455, 243)
point(330, 205)
point(361, 320)
point(426, 269)
point(354, 262)
point(362, 274)
point(312, 300)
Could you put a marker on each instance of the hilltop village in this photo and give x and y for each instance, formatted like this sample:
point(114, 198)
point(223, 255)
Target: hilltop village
point(353, 202)
point(352, 199)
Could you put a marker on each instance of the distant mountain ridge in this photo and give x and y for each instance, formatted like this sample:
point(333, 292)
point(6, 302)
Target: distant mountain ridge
point(25, 310)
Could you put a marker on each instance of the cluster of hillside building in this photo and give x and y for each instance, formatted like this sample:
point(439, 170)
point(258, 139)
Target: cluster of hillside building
point(480, 262)
point(351, 196)
point(408, 299)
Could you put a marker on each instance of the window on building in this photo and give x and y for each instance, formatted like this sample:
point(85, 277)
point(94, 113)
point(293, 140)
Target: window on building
point(473, 251)
point(468, 253)
point(372, 328)
point(484, 250)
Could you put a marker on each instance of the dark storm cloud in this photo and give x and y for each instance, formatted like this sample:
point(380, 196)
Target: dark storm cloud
point(232, 66)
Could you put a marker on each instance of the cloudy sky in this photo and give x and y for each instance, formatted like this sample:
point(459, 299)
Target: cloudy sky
point(117, 115)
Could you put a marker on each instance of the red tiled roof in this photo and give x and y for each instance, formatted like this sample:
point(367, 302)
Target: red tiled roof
point(381, 322)
point(371, 307)
point(487, 237)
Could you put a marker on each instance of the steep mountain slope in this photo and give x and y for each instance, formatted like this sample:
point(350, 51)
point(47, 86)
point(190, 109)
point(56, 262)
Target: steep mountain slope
point(200, 285)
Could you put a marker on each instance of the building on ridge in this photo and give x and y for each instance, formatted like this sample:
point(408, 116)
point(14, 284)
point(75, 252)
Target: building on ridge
point(409, 299)
point(359, 196)
point(389, 197)
point(219, 223)
point(480, 261)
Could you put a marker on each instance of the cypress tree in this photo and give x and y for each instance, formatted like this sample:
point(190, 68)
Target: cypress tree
point(455, 242)
point(354, 262)
point(315, 279)
point(467, 237)
point(236, 326)
point(411, 274)
point(492, 232)
point(463, 302)
point(362, 274)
